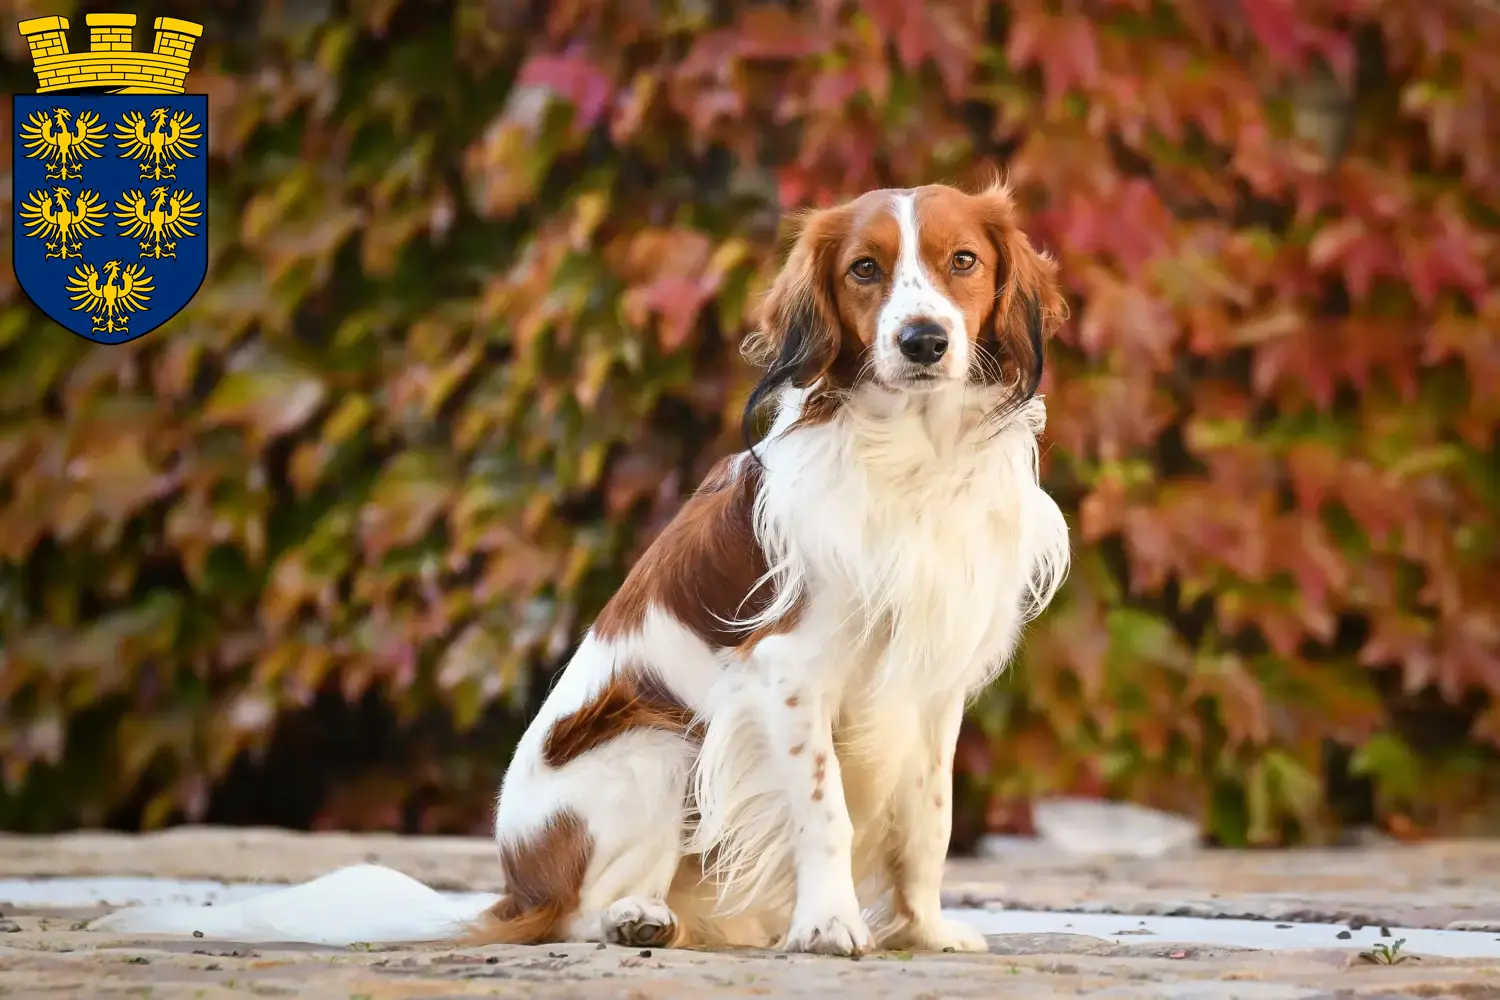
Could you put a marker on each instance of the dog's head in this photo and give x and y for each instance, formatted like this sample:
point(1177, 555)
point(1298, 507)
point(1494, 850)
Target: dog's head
point(910, 291)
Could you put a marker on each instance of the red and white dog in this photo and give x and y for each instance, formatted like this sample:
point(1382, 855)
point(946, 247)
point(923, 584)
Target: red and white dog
point(754, 743)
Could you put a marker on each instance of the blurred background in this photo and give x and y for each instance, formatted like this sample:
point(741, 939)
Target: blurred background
point(309, 554)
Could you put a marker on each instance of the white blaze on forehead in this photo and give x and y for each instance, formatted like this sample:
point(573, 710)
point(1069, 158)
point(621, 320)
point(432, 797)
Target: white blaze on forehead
point(913, 294)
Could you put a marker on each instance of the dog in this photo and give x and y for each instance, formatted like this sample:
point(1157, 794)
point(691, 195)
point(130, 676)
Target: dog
point(753, 744)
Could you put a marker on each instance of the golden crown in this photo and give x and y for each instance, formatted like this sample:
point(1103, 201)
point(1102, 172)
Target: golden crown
point(111, 64)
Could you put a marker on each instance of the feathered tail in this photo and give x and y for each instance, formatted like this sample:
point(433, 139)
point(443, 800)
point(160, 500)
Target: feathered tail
point(361, 903)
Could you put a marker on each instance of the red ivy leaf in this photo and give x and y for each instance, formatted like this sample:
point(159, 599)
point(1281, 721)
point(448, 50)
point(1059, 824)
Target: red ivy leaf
point(771, 32)
point(1065, 48)
point(573, 78)
point(1447, 260)
point(1276, 25)
point(922, 30)
point(1360, 254)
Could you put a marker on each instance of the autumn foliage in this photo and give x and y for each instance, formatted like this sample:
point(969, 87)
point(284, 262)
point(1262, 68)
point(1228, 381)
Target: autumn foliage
point(478, 269)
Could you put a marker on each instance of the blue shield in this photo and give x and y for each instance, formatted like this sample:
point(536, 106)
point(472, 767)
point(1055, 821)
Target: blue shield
point(111, 208)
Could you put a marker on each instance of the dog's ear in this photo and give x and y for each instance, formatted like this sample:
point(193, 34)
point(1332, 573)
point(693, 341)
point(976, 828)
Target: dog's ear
point(1029, 304)
point(800, 332)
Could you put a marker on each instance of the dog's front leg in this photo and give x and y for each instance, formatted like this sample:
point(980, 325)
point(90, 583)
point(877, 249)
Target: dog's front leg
point(918, 844)
point(798, 715)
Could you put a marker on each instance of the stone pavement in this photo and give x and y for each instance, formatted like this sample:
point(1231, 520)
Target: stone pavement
point(1438, 885)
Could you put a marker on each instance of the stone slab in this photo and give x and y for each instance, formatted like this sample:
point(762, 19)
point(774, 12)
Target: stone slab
point(1437, 885)
point(43, 955)
point(46, 958)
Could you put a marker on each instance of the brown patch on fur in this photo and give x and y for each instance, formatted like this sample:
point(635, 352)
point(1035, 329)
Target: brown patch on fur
point(792, 702)
point(1011, 299)
point(818, 794)
point(633, 699)
point(816, 321)
point(796, 751)
point(543, 878)
point(701, 569)
point(801, 327)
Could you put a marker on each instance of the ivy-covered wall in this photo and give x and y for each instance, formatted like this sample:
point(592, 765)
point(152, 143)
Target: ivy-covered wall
point(478, 269)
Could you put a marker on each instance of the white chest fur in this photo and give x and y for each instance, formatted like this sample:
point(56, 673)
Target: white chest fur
point(924, 524)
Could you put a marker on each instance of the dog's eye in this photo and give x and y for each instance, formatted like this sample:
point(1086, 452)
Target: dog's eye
point(964, 261)
point(864, 269)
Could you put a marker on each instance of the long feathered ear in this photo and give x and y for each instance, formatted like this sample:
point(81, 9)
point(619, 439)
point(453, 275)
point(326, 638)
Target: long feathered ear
point(1029, 303)
point(800, 333)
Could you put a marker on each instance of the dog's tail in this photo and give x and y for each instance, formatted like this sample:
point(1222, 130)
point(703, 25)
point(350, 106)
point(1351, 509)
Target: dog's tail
point(359, 904)
point(511, 921)
point(544, 875)
point(543, 885)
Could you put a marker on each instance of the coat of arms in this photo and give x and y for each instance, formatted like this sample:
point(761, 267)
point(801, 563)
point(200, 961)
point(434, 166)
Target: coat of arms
point(110, 177)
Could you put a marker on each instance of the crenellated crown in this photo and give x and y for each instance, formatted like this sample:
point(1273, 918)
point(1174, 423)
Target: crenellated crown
point(112, 63)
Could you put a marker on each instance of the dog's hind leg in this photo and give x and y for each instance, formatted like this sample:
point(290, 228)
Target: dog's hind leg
point(625, 803)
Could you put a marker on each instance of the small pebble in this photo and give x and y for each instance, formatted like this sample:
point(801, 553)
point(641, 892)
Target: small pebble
point(645, 952)
point(197, 934)
point(1385, 932)
point(492, 960)
point(1343, 935)
point(1283, 927)
point(600, 946)
point(9, 927)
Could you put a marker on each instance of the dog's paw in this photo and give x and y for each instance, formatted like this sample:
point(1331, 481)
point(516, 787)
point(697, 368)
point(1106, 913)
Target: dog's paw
point(941, 934)
point(844, 935)
point(639, 923)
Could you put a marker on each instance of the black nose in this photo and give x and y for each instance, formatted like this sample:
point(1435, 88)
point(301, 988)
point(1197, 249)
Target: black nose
point(923, 343)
